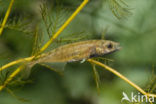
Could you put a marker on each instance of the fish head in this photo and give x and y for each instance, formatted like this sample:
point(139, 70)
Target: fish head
point(107, 47)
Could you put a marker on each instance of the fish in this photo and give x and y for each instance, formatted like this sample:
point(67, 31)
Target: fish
point(78, 51)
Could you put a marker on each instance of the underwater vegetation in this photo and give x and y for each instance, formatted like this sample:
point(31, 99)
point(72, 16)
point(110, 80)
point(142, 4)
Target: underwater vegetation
point(63, 51)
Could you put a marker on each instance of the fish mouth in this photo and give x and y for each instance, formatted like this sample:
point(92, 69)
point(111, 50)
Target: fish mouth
point(118, 47)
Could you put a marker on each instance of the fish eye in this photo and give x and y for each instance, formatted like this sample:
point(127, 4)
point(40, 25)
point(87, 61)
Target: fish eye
point(110, 46)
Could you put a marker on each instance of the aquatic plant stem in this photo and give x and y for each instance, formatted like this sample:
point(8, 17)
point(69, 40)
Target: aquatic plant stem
point(121, 76)
point(6, 16)
point(11, 77)
point(15, 62)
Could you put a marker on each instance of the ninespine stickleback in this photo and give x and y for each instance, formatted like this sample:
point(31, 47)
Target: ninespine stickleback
point(78, 51)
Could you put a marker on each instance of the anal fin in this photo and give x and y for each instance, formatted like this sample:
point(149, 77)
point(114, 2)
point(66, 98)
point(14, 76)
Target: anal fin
point(57, 67)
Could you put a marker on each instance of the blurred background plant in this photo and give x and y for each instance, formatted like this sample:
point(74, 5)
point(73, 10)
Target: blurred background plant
point(131, 23)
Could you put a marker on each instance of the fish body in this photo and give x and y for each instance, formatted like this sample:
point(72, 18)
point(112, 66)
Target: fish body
point(79, 51)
